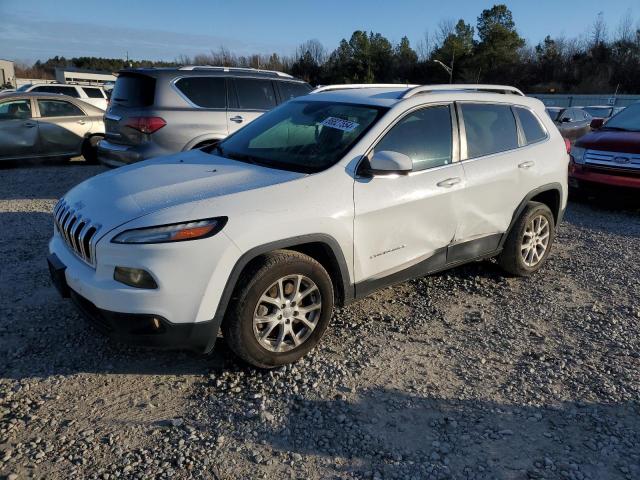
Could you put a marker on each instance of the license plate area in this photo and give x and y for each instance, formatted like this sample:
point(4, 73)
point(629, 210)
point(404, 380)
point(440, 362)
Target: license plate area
point(57, 273)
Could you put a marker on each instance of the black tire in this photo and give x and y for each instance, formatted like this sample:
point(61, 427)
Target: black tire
point(237, 327)
point(90, 149)
point(511, 258)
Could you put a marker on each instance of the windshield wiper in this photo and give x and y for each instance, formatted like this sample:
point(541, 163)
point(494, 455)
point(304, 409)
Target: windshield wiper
point(620, 129)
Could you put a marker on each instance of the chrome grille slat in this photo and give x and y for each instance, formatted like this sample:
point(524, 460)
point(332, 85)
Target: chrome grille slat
point(620, 160)
point(77, 231)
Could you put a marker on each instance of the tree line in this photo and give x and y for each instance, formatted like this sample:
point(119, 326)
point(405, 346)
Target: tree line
point(491, 51)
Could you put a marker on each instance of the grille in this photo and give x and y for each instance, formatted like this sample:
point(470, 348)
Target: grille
point(629, 161)
point(78, 232)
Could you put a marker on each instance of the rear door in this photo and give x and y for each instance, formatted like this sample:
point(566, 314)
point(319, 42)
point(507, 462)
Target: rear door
point(18, 129)
point(249, 98)
point(62, 126)
point(488, 149)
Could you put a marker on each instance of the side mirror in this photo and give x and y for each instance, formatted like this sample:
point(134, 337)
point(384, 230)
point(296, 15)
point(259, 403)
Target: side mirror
point(597, 123)
point(387, 162)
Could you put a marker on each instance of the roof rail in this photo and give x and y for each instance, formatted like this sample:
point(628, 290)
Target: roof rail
point(347, 86)
point(505, 89)
point(235, 69)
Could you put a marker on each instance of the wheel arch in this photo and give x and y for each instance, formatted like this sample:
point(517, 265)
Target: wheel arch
point(549, 194)
point(195, 142)
point(321, 247)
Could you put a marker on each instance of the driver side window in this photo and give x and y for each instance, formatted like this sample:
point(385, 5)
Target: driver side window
point(425, 136)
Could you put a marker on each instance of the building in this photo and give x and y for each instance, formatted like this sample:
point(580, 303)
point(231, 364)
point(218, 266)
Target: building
point(77, 75)
point(7, 73)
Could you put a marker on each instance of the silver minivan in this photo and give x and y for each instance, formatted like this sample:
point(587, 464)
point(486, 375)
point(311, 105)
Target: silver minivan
point(159, 111)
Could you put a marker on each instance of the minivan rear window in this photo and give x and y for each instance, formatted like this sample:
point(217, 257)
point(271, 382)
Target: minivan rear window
point(134, 90)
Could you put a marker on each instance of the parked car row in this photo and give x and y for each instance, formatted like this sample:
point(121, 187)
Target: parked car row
point(574, 122)
point(158, 111)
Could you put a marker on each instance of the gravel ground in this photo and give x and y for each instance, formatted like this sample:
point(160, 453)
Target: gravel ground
point(462, 375)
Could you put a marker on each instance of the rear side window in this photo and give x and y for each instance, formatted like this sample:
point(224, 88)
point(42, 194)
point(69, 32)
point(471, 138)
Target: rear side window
point(255, 94)
point(92, 92)
point(490, 129)
point(531, 127)
point(134, 90)
point(205, 92)
point(289, 90)
point(58, 108)
point(425, 136)
point(70, 91)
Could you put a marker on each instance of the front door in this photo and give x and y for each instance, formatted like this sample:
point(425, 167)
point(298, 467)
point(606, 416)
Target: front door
point(403, 224)
point(18, 129)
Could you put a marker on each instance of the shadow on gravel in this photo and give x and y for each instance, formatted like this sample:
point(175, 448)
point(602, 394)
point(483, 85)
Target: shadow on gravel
point(394, 434)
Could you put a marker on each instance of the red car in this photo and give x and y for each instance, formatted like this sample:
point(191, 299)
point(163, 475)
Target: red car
point(610, 155)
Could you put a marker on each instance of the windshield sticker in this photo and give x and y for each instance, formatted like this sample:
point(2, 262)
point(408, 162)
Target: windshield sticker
point(340, 124)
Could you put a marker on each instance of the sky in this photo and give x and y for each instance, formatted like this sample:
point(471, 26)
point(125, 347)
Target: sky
point(163, 29)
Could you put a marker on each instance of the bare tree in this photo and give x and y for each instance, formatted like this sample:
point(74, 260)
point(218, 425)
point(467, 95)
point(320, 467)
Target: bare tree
point(625, 31)
point(599, 30)
point(425, 46)
point(315, 49)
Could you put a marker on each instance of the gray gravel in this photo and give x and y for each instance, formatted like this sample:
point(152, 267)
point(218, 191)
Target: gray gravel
point(463, 375)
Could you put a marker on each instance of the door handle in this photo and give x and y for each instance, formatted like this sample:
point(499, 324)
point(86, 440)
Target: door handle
point(526, 165)
point(81, 122)
point(29, 124)
point(237, 119)
point(449, 182)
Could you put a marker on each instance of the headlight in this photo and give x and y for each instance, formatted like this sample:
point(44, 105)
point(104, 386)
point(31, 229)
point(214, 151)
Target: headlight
point(175, 232)
point(577, 153)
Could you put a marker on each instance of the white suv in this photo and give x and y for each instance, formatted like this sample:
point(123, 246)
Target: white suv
point(318, 202)
point(91, 94)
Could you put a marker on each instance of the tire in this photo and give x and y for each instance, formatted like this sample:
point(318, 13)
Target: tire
point(242, 333)
point(517, 261)
point(90, 149)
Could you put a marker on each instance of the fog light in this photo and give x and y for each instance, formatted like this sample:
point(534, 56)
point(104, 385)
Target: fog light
point(134, 277)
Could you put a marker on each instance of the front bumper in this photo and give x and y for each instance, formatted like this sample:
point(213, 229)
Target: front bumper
point(146, 330)
point(580, 175)
point(116, 155)
point(190, 276)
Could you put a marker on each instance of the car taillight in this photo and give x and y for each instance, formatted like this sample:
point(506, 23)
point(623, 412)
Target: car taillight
point(145, 124)
point(567, 144)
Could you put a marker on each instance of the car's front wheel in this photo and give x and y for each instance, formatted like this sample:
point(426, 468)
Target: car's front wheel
point(529, 242)
point(281, 309)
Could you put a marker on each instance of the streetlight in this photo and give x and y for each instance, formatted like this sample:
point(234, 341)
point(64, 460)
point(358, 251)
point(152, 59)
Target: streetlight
point(448, 69)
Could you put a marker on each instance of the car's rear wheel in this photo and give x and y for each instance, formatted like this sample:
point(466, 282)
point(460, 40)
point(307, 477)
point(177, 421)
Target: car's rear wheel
point(90, 149)
point(529, 242)
point(281, 309)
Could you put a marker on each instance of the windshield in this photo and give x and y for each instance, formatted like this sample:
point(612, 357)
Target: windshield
point(23, 87)
point(627, 119)
point(301, 136)
point(554, 113)
point(598, 112)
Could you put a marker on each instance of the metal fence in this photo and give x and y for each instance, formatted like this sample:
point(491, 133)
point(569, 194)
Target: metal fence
point(553, 100)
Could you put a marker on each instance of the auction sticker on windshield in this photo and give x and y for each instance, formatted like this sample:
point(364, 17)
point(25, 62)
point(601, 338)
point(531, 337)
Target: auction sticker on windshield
point(340, 124)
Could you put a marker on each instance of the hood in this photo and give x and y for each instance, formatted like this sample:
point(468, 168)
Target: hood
point(611, 141)
point(126, 193)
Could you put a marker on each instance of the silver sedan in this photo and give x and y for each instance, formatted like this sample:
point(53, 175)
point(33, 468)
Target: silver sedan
point(34, 125)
